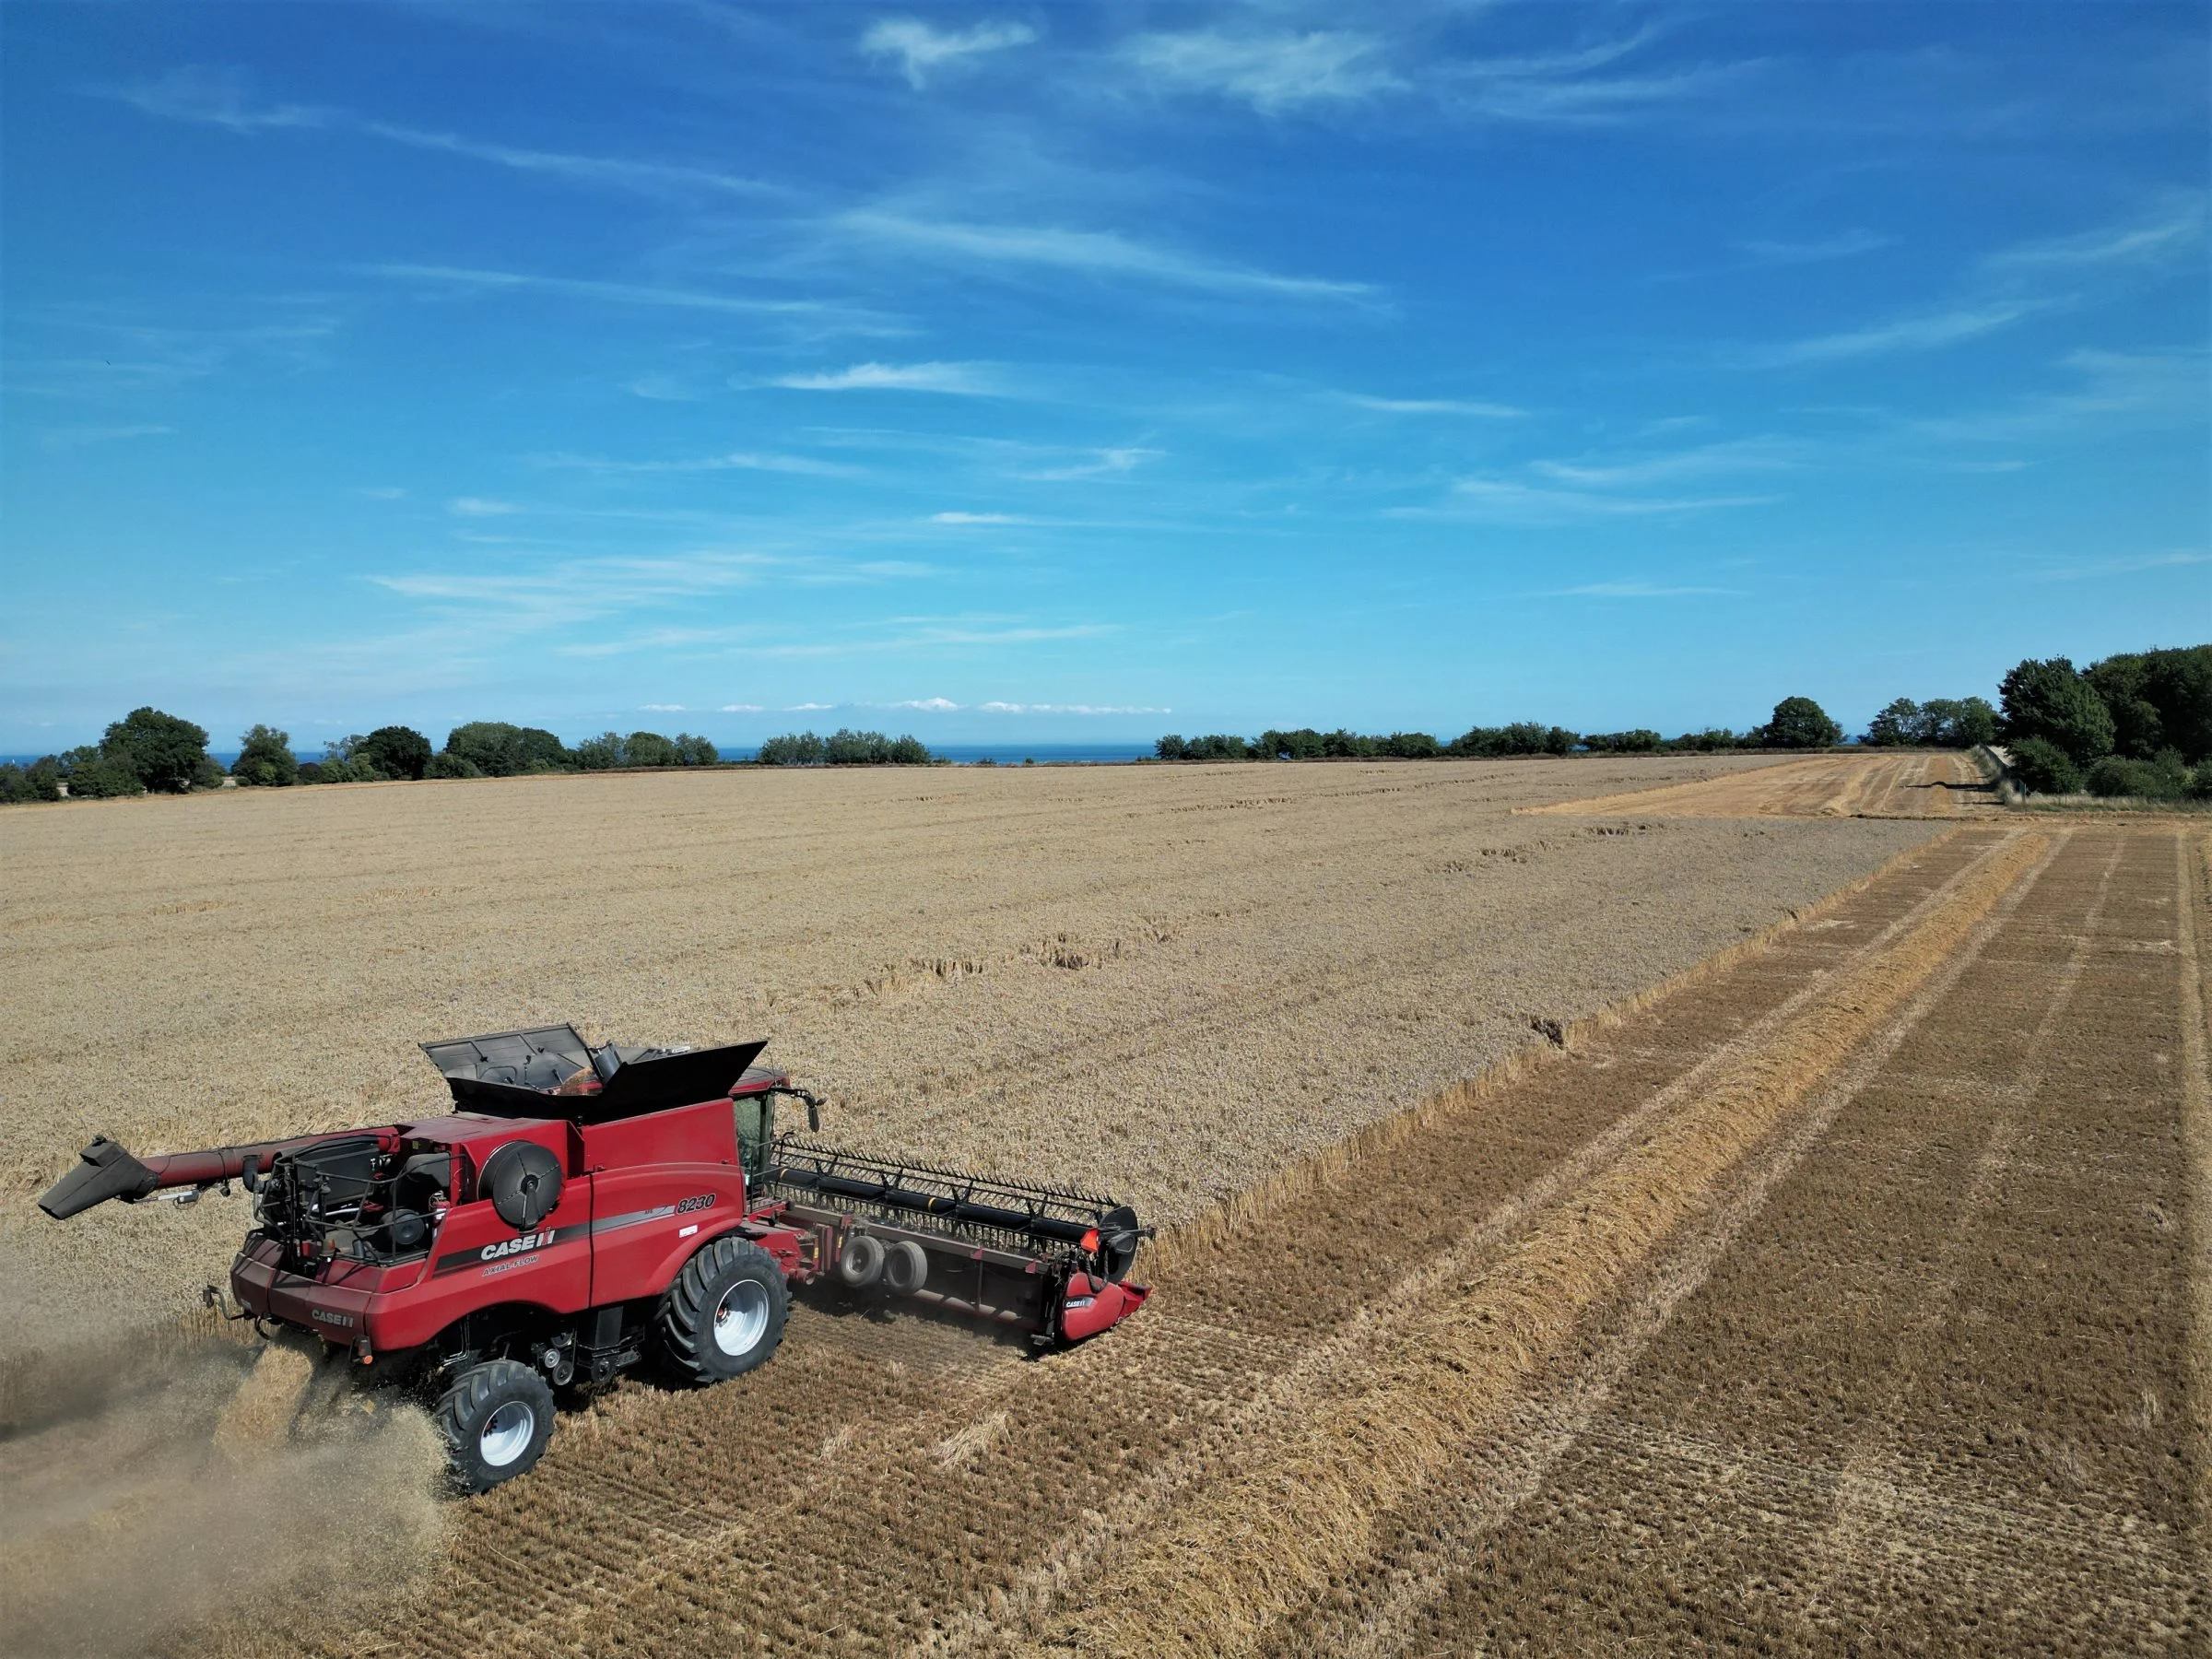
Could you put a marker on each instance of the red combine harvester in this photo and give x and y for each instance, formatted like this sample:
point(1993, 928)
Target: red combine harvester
point(581, 1209)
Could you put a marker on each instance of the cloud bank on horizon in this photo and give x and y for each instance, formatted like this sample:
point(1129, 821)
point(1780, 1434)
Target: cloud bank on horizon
point(1039, 374)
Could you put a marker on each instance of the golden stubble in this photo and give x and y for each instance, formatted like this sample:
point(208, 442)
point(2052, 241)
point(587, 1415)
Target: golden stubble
point(1241, 1553)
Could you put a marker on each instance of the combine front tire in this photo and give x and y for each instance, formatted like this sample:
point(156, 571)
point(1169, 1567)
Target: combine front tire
point(724, 1314)
point(497, 1419)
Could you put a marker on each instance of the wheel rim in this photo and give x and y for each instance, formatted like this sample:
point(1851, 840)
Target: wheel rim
point(740, 1317)
point(508, 1434)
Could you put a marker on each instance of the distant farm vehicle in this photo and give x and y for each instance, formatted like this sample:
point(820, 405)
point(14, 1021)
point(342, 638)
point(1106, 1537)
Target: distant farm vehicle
point(583, 1209)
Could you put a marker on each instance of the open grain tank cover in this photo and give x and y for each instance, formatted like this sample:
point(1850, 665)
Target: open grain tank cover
point(550, 1072)
point(543, 1058)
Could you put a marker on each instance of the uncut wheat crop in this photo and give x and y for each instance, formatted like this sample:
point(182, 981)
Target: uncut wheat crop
point(1163, 982)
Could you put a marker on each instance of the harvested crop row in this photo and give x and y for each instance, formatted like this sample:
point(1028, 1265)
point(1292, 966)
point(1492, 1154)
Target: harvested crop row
point(1931, 1392)
point(1306, 1506)
point(1901, 786)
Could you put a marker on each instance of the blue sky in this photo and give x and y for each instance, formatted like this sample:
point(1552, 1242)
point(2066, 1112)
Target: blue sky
point(1073, 373)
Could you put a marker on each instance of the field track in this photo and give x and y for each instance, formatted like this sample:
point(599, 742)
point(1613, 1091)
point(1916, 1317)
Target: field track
point(1835, 1298)
point(1842, 785)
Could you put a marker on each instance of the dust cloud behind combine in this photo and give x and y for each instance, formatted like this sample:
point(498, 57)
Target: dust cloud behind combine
point(151, 1487)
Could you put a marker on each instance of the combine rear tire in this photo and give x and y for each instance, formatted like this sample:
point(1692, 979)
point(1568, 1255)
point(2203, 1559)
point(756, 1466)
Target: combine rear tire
point(724, 1314)
point(497, 1419)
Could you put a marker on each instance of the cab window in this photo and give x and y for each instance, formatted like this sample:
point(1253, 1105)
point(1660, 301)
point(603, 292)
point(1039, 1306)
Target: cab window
point(756, 1130)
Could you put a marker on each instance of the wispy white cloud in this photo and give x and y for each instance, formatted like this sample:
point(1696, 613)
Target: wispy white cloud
point(619, 172)
point(1572, 88)
point(2176, 230)
point(741, 709)
point(928, 705)
point(1926, 331)
point(221, 97)
point(664, 388)
point(1633, 590)
point(1091, 253)
point(465, 278)
point(807, 707)
point(1844, 244)
point(2127, 566)
point(1431, 406)
point(215, 97)
point(739, 461)
point(1271, 72)
point(121, 355)
point(1106, 464)
point(665, 708)
point(1741, 454)
point(381, 492)
point(919, 48)
point(2113, 387)
point(569, 589)
point(480, 507)
point(961, 380)
point(69, 438)
point(977, 518)
point(1018, 708)
point(2026, 280)
point(1506, 500)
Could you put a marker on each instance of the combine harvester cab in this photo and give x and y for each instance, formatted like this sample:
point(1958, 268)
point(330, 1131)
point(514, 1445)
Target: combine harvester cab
point(582, 1209)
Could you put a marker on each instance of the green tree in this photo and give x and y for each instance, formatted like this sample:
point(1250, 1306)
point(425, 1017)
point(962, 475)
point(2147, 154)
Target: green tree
point(1413, 745)
point(1800, 722)
point(1303, 744)
point(1640, 741)
point(265, 759)
point(1218, 746)
point(603, 753)
point(1899, 722)
point(161, 751)
point(394, 751)
point(2048, 700)
point(793, 749)
point(2162, 778)
point(2041, 767)
point(497, 749)
point(451, 766)
point(1708, 740)
point(92, 772)
point(693, 750)
point(1957, 722)
point(648, 749)
point(2157, 700)
point(340, 764)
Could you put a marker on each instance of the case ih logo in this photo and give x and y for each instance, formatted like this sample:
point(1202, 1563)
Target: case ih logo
point(505, 1252)
point(492, 1253)
point(327, 1317)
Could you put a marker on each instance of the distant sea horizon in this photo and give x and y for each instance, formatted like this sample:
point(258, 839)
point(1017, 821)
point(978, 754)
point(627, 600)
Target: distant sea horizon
point(960, 754)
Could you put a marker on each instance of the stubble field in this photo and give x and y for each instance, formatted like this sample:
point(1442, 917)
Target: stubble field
point(1841, 1293)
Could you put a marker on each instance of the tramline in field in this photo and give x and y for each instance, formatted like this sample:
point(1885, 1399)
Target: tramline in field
point(582, 1209)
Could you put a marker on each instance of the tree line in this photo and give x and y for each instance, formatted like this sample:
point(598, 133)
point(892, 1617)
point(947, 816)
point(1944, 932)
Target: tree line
point(2137, 724)
point(149, 751)
point(1798, 722)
